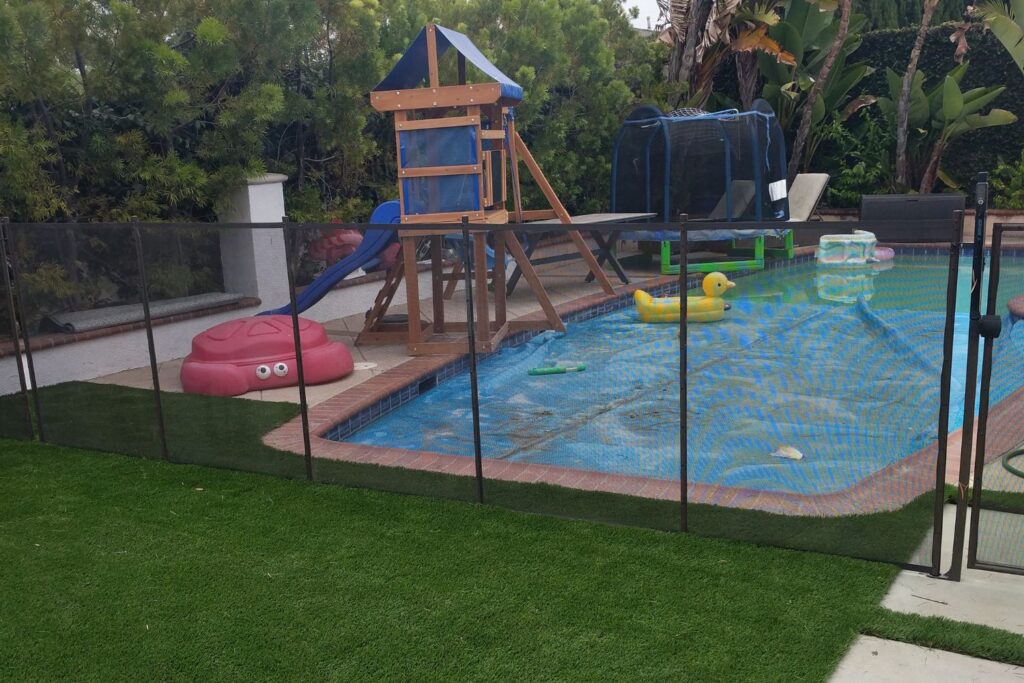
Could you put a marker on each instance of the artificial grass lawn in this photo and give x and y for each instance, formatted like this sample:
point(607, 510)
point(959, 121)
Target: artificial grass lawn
point(118, 568)
point(1002, 501)
point(972, 640)
point(227, 433)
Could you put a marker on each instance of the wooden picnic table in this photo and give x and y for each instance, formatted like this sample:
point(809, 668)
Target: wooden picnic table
point(605, 251)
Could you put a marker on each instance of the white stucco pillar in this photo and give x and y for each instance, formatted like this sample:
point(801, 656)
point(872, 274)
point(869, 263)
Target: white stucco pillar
point(254, 260)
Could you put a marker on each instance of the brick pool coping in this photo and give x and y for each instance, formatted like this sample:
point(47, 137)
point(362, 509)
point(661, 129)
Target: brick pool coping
point(885, 490)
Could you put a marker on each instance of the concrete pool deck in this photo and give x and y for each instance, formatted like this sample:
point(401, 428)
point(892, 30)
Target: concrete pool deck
point(563, 282)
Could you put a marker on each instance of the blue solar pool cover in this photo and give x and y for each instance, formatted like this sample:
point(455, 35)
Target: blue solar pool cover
point(852, 388)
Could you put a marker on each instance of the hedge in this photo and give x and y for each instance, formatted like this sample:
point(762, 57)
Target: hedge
point(885, 14)
point(990, 65)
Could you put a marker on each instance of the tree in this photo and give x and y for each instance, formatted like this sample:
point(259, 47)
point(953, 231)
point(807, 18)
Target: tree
point(808, 34)
point(938, 115)
point(704, 34)
point(160, 109)
point(889, 14)
point(903, 106)
point(807, 115)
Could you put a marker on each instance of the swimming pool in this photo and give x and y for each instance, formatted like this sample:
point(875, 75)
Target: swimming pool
point(848, 374)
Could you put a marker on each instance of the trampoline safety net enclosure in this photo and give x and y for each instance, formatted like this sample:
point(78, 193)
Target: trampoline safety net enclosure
point(726, 165)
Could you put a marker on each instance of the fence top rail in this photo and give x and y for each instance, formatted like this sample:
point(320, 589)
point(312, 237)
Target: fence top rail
point(932, 230)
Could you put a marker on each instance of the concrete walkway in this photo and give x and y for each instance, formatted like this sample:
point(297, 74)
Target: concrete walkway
point(981, 597)
point(884, 661)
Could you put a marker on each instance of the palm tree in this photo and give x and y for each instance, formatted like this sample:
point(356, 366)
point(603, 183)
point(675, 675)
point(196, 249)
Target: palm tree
point(704, 34)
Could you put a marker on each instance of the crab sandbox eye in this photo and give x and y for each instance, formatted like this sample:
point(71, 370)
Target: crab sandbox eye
point(281, 369)
point(262, 372)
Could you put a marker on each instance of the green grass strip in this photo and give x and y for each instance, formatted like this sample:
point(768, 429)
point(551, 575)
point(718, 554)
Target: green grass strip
point(1002, 501)
point(940, 633)
point(227, 432)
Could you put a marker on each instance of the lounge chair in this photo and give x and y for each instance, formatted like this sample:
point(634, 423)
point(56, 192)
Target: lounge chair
point(804, 196)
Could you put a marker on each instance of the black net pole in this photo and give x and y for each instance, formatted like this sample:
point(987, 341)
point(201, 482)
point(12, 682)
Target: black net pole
point(470, 265)
point(993, 325)
point(22, 322)
point(977, 272)
point(952, 279)
point(150, 342)
point(683, 497)
point(13, 322)
point(307, 450)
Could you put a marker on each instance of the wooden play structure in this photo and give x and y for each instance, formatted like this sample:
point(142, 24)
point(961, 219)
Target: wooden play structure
point(457, 147)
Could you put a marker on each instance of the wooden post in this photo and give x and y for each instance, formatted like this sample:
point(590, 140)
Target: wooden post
point(500, 314)
point(563, 216)
point(437, 285)
point(480, 275)
point(533, 280)
point(517, 196)
point(453, 280)
point(432, 55)
point(412, 289)
point(400, 117)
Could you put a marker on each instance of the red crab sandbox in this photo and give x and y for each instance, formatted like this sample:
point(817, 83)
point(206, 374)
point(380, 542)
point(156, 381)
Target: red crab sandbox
point(256, 353)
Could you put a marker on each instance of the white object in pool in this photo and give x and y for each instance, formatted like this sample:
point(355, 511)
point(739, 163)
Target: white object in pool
point(845, 285)
point(855, 249)
point(787, 452)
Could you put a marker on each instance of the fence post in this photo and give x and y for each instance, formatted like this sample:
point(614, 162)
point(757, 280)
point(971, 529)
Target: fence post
point(307, 449)
point(945, 381)
point(977, 272)
point(990, 329)
point(150, 341)
point(470, 266)
point(683, 492)
point(13, 322)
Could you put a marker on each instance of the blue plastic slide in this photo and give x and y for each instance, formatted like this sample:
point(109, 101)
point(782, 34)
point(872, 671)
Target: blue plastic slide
point(374, 242)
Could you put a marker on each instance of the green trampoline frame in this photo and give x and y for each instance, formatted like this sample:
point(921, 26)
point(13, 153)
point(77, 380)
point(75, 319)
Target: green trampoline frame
point(749, 259)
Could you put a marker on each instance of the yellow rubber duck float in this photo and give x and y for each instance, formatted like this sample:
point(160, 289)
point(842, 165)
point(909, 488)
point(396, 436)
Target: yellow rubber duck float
point(699, 309)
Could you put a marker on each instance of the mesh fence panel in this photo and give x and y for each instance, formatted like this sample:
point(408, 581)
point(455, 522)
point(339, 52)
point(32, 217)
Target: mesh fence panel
point(15, 419)
point(81, 295)
point(583, 424)
point(597, 439)
point(366, 427)
point(813, 407)
point(1000, 470)
point(221, 405)
point(715, 167)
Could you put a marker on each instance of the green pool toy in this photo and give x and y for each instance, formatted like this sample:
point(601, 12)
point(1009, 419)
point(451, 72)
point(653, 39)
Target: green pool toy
point(559, 369)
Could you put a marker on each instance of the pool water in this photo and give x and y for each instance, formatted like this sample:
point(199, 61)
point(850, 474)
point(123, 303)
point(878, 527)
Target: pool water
point(846, 372)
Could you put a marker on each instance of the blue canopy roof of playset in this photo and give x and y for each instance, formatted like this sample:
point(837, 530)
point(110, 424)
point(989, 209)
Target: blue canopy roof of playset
point(411, 69)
